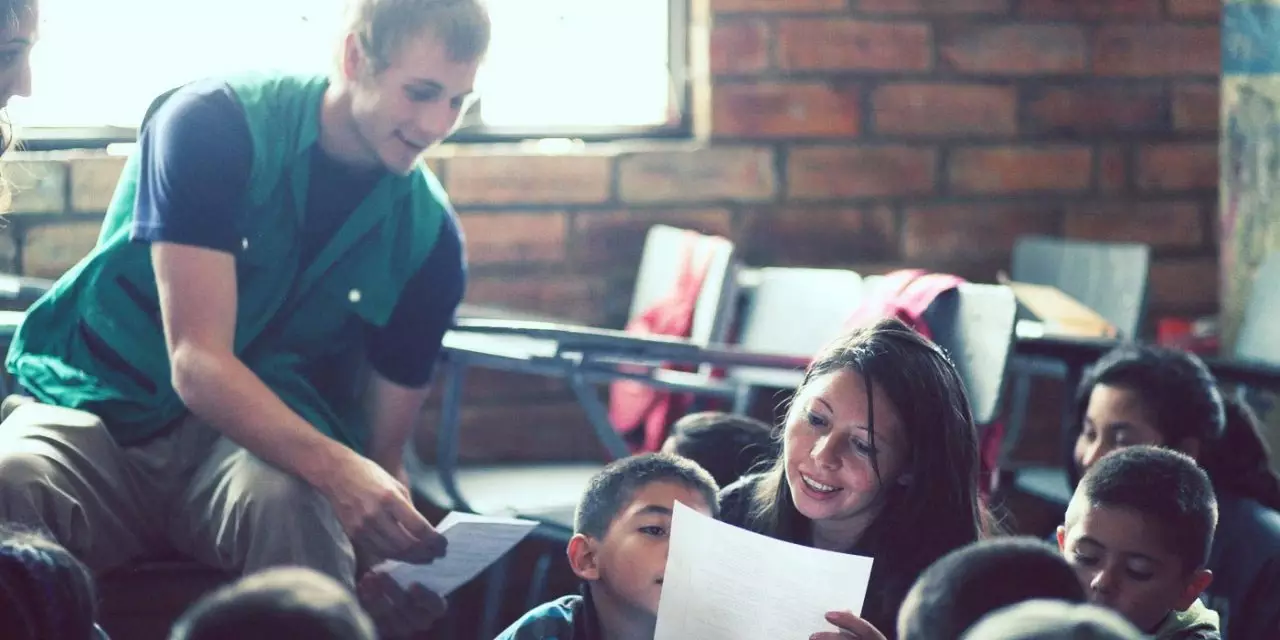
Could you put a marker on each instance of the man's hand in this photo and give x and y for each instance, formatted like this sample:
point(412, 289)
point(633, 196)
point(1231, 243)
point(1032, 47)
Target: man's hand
point(398, 612)
point(851, 626)
point(377, 514)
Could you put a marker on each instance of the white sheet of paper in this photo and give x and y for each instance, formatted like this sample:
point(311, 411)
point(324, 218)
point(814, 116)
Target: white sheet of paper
point(726, 583)
point(475, 543)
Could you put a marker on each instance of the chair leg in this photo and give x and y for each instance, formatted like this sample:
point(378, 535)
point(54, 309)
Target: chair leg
point(538, 581)
point(494, 588)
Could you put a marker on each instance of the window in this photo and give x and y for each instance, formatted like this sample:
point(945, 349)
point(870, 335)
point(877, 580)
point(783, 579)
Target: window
point(556, 68)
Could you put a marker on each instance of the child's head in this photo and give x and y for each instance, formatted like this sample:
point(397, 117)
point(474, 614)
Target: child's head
point(727, 445)
point(879, 439)
point(288, 602)
point(45, 592)
point(1138, 394)
point(623, 522)
point(1138, 532)
point(973, 581)
point(1053, 620)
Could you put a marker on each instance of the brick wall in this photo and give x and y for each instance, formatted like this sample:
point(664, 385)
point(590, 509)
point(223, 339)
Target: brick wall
point(856, 133)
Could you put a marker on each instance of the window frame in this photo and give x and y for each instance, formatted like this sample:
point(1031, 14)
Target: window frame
point(679, 48)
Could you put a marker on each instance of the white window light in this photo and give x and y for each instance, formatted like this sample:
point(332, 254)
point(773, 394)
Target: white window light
point(554, 64)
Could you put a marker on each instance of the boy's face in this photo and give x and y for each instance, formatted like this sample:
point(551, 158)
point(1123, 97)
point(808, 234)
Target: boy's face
point(1115, 418)
point(1125, 566)
point(628, 565)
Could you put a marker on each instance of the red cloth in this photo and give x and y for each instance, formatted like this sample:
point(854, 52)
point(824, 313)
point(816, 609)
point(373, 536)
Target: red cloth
point(906, 294)
point(640, 412)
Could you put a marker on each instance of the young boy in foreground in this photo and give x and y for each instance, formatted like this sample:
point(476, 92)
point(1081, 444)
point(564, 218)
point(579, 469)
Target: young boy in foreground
point(1138, 532)
point(621, 531)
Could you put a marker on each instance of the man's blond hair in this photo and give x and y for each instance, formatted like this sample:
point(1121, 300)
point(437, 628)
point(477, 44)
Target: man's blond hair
point(383, 27)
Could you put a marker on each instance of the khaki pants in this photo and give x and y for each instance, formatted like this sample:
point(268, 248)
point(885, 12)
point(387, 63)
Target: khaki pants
point(191, 491)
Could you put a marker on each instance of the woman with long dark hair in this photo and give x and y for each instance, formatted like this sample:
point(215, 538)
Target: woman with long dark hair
point(1163, 397)
point(879, 458)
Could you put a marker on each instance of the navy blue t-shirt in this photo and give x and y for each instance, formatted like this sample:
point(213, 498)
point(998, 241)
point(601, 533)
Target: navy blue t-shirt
point(196, 157)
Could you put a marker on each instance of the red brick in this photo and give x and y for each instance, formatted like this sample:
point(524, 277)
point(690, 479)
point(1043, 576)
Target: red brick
point(766, 110)
point(515, 236)
point(1090, 9)
point(1097, 109)
point(576, 298)
point(853, 45)
point(616, 238)
point(1185, 283)
point(1113, 169)
point(49, 250)
point(951, 232)
point(716, 173)
point(1195, 8)
point(739, 46)
point(503, 179)
point(1178, 166)
point(913, 108)
point(779, 6)
point(819, 235)
point(1021, 169)
point(1160, 224)
point(864, 171)
point(932, 6)
point(1012, 48)
point(1196, 106)
point(1156, 50)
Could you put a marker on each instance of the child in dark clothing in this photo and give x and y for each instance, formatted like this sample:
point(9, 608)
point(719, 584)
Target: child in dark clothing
point(726, 445)
point(45, 592)
point(619, 548)
point(973, 581)
point(286, 602)
point(1138, 532)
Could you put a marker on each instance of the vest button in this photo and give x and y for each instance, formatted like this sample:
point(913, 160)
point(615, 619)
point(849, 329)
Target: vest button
point(354, 296)
point(244, 244)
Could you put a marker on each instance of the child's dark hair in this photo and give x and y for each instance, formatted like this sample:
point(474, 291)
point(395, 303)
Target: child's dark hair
point(970, 582)
point(939, 510)
point(727, 445)
point(611, 490)
point(45, 592)
point(1182, 400)
point(1164, 485)
point(286, 602)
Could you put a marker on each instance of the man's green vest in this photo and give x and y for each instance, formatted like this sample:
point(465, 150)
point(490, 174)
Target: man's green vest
point(95, 341)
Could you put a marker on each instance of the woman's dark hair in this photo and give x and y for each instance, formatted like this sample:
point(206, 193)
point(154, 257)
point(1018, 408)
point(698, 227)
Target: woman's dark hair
point(45, 592)
point(1182, 400)
point(939, 509)
point(12, 13)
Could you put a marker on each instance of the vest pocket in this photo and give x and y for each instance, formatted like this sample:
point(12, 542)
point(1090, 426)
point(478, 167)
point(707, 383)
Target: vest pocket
point(101, 350)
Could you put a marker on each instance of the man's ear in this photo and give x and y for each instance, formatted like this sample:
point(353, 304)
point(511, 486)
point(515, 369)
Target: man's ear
point(353, 57)
point(1199, 581)
point(1062, 539)
point(583, 557)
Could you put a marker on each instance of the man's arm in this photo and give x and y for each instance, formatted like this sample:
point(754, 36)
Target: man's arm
point(404, 352)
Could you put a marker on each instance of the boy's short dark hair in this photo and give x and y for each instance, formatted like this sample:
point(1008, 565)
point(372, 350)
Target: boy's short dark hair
point(966, 584)
point(611, 490)
point(727, 445)
point(288, 602)
point(1165, 485)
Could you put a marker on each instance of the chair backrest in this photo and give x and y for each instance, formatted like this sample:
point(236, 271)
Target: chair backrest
point(1259, 336)
point(797, 311)
point(974, 324)
point(660, 267)
point(1108, 277)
